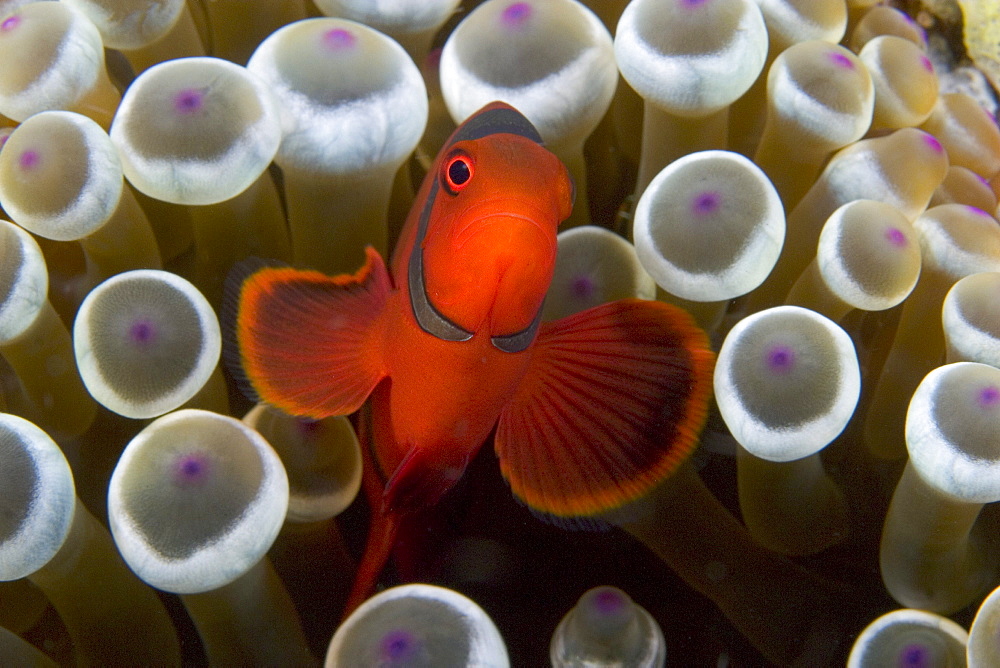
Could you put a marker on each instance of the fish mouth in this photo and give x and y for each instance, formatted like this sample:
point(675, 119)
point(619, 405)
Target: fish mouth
point(520, 215)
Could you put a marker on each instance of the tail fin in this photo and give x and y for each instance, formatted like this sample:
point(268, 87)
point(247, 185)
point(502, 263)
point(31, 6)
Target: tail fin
point(382, 527)
point(381, 537)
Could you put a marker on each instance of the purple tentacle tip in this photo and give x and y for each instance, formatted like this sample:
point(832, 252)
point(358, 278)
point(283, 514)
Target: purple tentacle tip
point(10, 23)
point(915, 656)
point(927, 64)
point(840, 60)
point(780, 359)
point(398, 646)
point(693, 3)
point(29, 159)
point(989, 396)
point(932, 141)
point(895, 236)
point(609, 602)
point(307, 427)
point(339, 39)
point(189, 101)
point(582, 287)
point(516, 15)
point(706, 203)
point(142, 332)
point(191, 469)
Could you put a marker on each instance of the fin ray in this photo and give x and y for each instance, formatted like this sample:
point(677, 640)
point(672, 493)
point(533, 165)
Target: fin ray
point(612, 403)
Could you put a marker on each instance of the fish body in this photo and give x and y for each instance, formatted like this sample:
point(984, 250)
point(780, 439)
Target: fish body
point(471, 270)
point(590, 411)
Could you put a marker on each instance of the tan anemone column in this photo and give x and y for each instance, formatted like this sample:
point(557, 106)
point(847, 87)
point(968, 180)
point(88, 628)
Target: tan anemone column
point(234, 32)
point(820, 98)
point(61, 178)
point(552, 60)
point(202, 132)
point(788, 22)
point(323, 461)
point(967, 131)
point(885, 20)
point(145, 31)
point(902, 169)
point(353, 109)
point(194, 503)
point(868, 258)
point(955, 241)
point(36, 343)
point(931, 555)
point(787, 382)
point(906, 86)
point(786, 612)
point(961, 185)
point(607, 627)
point(689, 60)
point(49, 537)
point(53, 59)
point(418, 623)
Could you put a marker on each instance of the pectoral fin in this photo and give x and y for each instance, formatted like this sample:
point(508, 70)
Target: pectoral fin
point(612, 403)
point(308, 343)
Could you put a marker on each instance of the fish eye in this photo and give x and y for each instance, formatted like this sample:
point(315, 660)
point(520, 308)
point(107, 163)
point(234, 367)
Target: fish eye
point(457, 172)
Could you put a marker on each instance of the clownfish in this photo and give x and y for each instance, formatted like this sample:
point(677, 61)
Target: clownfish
point(590, 411)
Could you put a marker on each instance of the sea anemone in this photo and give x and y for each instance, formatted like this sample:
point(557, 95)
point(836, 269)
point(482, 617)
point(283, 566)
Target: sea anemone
point(353, 107)
point(552, 60)
point(910, 637)
point(194, 503)
point(146, 342)
point(861, 163)
point(931, 557)
point(786, 383)
point(36, 344)
point(607, 627)
point(418, 624)
point(49, 537)
point(867, 257)
point(53, 59)
point(61, 179)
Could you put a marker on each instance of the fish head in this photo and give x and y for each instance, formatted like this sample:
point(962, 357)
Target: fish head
point(489, 246)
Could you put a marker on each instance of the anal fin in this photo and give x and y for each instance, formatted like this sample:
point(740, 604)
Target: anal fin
point(612, 403)
point(308, 343)
point(418, 482)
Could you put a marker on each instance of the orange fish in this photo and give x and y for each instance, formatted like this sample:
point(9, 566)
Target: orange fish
point(590, 411)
